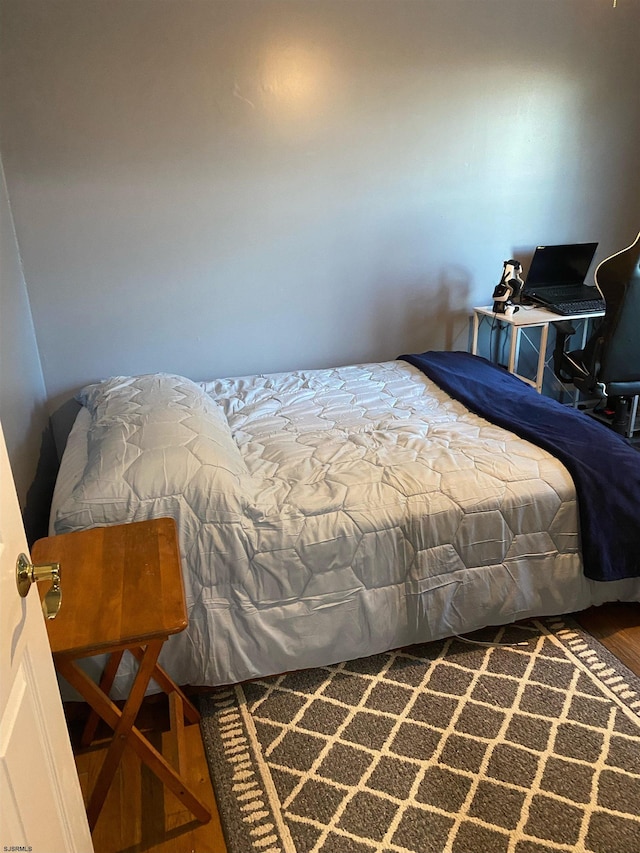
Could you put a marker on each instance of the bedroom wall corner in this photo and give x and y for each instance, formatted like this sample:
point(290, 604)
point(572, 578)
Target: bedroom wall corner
point(23, 410)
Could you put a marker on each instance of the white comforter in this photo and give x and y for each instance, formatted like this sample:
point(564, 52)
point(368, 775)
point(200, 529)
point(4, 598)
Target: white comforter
point(330, 514)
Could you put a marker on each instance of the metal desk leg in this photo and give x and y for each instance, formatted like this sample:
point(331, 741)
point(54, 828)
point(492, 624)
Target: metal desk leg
point(474, 339)
point(632, 416)
point(544, 336)
point(514, 348)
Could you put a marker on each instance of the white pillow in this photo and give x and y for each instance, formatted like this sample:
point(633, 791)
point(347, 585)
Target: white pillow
point(157, 444)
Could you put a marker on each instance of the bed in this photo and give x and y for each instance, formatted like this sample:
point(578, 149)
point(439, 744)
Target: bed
point(326, 515)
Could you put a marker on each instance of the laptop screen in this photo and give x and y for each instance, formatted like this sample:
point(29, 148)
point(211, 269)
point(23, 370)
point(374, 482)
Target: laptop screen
point(556, 265)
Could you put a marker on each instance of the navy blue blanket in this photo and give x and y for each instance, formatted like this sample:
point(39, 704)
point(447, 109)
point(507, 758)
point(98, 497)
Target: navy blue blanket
point(604, 466)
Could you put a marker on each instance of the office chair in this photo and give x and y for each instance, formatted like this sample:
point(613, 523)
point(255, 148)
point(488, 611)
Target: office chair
point(609, 365)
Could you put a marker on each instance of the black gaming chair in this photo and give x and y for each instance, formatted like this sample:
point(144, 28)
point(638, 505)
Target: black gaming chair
point(609, 365)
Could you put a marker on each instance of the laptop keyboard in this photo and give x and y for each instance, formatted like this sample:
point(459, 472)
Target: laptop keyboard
point(583, 307)
point(559, 291)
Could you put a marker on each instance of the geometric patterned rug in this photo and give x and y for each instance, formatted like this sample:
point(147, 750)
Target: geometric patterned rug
point(529, 745)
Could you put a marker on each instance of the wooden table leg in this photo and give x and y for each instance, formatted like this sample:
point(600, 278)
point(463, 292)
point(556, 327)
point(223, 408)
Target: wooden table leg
point(111, 714)
point(122, 731)
point(106, 683)
point(166, 683)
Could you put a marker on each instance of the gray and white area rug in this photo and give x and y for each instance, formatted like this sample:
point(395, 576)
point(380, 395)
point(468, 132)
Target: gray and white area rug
point(447, 747)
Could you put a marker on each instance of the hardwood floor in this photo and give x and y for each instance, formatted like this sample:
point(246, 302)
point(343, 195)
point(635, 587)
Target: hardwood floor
point(141, 815)
point(616, 626)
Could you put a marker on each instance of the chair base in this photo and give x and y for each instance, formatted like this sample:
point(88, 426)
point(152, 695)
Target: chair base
point(622, 417)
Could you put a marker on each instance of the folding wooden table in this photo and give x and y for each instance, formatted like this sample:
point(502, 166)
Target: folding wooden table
point(122, 590)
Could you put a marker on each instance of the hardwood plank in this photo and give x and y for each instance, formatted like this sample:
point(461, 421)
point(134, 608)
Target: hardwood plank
point(617, 627)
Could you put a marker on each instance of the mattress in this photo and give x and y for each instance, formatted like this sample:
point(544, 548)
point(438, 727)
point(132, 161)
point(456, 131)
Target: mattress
point(327, 515)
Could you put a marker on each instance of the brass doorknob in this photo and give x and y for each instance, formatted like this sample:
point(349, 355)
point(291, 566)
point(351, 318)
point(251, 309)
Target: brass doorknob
point(27, 573)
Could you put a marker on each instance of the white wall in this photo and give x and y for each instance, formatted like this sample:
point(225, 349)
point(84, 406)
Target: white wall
point(217, 187)
point(23, 410)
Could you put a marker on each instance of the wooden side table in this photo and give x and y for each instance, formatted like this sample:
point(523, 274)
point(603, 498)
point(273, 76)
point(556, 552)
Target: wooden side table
point(122, 590)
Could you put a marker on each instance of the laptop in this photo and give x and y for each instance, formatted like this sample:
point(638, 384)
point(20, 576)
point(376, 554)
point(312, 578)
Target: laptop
point(556, 279)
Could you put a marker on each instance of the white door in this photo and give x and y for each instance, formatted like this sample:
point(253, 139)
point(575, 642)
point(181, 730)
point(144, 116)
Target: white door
point(41, 808)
